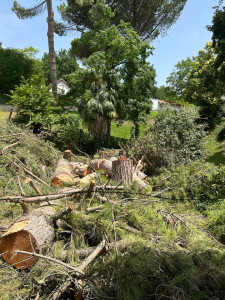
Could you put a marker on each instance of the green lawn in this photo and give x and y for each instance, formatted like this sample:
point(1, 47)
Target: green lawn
point(4, 115)
point(216, 152)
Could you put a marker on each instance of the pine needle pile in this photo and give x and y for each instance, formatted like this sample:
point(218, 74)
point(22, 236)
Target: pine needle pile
point(148, 247)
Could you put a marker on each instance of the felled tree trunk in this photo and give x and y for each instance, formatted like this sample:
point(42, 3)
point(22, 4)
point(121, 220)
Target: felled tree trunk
point(102, 164)
point(29, 233)
point(63, 174)
point(122, 171)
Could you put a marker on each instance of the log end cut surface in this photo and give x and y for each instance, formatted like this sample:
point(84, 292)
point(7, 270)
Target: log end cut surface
point(21, 241)
point(62, 180)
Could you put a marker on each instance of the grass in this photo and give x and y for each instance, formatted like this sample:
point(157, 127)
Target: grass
point(216, 152)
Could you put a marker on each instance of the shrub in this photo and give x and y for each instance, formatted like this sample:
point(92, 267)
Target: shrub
point(35, 104)
point(70, 134)
point(174, 138)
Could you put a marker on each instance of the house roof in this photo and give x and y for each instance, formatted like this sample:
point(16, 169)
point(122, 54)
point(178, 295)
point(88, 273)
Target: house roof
point(169, 103)
point(61, 79)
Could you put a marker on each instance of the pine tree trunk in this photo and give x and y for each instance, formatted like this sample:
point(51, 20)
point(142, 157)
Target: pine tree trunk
point(122, 171)
point(51, 48)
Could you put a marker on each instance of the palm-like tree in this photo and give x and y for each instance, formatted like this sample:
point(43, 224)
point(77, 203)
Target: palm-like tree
point(97, 104)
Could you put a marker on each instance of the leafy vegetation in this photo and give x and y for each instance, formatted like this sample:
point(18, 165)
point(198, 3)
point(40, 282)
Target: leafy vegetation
point(149, 19)
point(174, 138)
point(15, 63)
point(35, 104)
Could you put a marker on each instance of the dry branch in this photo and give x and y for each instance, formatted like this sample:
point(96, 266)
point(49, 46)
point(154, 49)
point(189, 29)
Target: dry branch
point(30, 173)
point(10, 146)
point(94, 208)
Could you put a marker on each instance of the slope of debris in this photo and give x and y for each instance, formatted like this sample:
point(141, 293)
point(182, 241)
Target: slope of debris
point(144, 247)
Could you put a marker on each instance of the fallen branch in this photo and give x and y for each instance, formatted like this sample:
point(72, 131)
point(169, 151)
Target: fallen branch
point(62, 212)
point(30, 173)
point(161, 192)
point(34, 186)
point(61, 290)
point(94, 208)
point(77, 271)
point(9, 146)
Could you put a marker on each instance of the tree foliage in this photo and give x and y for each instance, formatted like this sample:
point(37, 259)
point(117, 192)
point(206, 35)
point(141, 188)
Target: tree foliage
point(116, 72)
point(65, 64)
point(15, 63)
point(177, 80)
point(218, 37)
point(205, 86)
point(174, 138)
point(148, 18)
point(35, 104)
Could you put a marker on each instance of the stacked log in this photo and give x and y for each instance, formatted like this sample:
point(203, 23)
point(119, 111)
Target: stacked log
point(29, 233)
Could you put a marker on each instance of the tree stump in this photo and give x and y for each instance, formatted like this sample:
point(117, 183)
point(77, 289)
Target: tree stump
point(122, 171)
point(104, 154)
point(29, 233)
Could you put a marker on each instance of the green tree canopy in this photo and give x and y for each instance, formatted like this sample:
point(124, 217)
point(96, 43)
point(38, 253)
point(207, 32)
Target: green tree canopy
point(65, 64)
point(148, 18)
point(116, 70)
point(177, 80)
point(218, 37)
point(15, 63)
point(204, 85)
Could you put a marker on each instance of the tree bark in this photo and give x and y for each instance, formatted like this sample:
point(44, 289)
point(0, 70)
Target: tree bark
point(122, 171)
point(102, 164)
point(51, 49)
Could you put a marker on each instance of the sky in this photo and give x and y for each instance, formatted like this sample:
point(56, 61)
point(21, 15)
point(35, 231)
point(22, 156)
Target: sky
point(185, 38)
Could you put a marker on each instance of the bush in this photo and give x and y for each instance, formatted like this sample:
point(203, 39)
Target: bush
point(35, 104)
point(174, 138)
point(69, 134)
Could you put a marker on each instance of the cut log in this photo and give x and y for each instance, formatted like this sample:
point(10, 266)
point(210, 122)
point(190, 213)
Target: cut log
point(63, 174)
point(83, 171)
point(28, 233)
point(141, 175)
point(104, 154)
point(91, 188)
point(122, 171)
point(141, 184)
point(88, 179)
point(102, 164)
point(75, 166)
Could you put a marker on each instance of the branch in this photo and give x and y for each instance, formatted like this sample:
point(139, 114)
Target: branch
point(24, 13)
point(62, 212)
point(77, 271)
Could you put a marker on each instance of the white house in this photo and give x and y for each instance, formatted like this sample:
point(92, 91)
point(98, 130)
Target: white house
point(62, 87)
point(159, 104)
